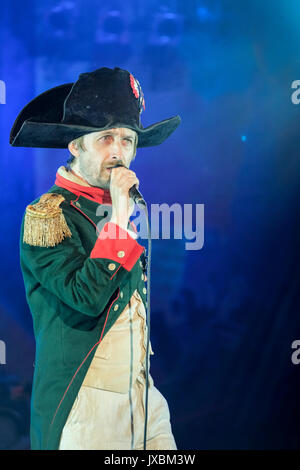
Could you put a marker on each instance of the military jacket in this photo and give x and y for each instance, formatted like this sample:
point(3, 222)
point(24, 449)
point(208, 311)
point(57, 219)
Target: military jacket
point(72, 287)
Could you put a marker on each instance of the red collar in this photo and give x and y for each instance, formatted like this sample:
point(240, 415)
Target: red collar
point(99, 195)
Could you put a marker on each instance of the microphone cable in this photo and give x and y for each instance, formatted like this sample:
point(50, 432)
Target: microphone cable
point(140, 201)
point(148, 263)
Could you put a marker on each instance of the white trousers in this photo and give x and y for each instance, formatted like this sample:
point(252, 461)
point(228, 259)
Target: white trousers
point(104, 420)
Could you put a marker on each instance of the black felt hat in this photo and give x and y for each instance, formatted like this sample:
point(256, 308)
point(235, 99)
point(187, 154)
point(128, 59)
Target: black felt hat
point(99, 100)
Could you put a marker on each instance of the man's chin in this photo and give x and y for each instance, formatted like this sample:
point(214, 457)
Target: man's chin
point(103, 184)
point(99, 183)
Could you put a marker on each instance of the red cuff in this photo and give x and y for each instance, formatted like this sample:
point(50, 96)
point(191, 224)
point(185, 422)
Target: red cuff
point(115, 243)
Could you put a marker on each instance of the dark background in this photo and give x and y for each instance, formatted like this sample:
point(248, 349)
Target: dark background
point(223, 318)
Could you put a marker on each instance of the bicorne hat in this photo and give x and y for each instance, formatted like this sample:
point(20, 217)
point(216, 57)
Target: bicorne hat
point(98, 100)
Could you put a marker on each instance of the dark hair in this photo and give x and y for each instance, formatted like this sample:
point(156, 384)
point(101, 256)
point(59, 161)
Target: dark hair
point(69, 162)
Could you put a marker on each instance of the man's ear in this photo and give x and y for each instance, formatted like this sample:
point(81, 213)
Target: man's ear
point(73, 148)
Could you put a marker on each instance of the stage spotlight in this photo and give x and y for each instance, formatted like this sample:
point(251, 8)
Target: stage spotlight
point(111, 28)
point(111, 41)
point(113, 24)
point(203, 13)
point(61, 19)
point(58, 32)
point(161, 52)
point(166, 29)
point(208, 11)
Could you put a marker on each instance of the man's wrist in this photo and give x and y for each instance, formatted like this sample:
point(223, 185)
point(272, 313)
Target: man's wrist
point(121, 223)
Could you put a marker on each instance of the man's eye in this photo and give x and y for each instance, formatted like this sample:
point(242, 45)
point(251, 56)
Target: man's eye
point(105, 137)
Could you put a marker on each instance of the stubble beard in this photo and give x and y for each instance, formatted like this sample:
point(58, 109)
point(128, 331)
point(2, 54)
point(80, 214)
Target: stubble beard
point(92, 174)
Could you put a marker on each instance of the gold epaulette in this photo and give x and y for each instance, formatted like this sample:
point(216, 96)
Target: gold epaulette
point(44, 222)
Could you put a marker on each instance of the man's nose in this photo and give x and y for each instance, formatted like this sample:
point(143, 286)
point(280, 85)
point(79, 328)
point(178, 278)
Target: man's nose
point(116, 148)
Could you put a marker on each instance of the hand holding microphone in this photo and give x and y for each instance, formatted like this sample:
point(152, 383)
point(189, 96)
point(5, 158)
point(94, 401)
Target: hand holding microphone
point(133, 191)
point(124, 192)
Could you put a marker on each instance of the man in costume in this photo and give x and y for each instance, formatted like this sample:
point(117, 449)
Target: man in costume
point(84, 273)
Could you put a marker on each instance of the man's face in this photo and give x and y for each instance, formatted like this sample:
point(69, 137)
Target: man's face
point(104, 149)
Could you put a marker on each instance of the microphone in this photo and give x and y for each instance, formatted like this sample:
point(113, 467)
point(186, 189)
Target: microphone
point(133, 191)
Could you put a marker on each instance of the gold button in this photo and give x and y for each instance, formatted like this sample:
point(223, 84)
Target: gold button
point(116, 307)
point(77, 204)
point(121, 254)
point(121, 294)
point(141, 264)
point(144, 290)
point(111, 266)
point(142, 277)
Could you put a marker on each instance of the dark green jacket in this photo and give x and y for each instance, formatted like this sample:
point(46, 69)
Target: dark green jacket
point(72, 298)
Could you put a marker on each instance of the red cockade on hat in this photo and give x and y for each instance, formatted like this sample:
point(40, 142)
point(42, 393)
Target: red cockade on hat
point(137, 90)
